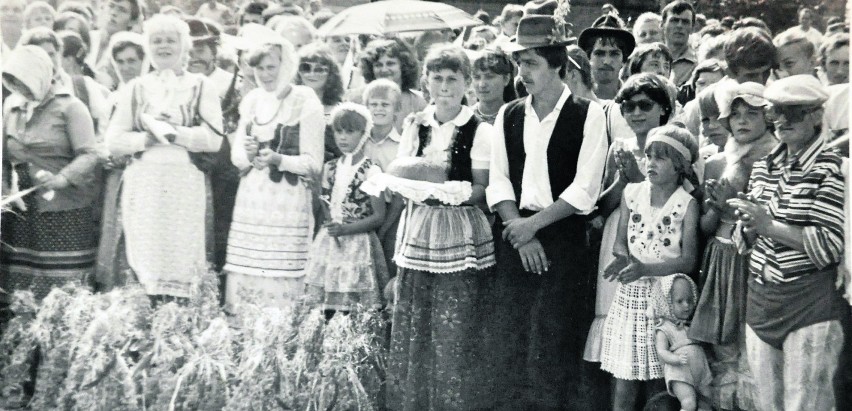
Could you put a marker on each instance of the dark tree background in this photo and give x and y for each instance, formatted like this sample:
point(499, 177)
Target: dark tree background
point(778, 14)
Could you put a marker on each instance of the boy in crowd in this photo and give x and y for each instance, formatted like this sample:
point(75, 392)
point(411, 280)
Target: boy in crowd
point(796, 54)
point(750, 55)
point(382, 99)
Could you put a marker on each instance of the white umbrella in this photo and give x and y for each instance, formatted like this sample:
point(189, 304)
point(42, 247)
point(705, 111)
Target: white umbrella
point(394, 16)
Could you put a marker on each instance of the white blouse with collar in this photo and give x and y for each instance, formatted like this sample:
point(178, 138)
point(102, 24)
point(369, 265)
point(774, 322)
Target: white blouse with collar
point(440, 143)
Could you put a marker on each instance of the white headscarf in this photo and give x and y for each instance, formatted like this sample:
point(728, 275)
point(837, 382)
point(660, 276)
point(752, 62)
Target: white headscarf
point(166, 83)
point(267, 102)
point(135, 38)
point(32, 66)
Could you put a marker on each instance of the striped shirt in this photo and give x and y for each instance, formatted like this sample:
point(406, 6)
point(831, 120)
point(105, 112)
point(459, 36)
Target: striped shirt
point(805, 190)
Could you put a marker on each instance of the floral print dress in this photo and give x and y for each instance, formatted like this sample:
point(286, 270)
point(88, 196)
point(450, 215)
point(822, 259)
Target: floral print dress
point(347, 272)
point(653, 235)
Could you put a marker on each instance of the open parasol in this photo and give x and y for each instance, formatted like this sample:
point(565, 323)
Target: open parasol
point(394, 16)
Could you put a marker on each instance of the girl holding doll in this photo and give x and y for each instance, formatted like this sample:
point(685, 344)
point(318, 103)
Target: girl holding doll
point(346, 267)
point(657, 236)
point(684, 362)
point(279, 146)
point(645, 104)
point(445, 249)
point(720, 314)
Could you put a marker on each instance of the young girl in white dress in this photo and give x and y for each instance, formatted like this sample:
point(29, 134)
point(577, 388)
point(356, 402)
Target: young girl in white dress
point(346, 269)
point(657, 236)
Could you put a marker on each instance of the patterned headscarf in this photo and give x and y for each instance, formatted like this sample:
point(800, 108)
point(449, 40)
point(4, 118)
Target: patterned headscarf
point(661, 298)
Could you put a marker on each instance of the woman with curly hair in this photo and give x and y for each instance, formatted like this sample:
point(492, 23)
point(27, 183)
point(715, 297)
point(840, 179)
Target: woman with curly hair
point(394, 60)
point(318, 70)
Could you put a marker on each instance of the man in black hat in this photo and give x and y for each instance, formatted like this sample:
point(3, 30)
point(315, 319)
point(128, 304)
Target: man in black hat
point(205, 47)
point(252, 13)
point(608, 45)
point(548, 155)
point(224, 176)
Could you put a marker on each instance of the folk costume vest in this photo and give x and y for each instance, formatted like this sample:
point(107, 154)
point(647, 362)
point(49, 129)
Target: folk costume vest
point(460, 162)
point(563, 150)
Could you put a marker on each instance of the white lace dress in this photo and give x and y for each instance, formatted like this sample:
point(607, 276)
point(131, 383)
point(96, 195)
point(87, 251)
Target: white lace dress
point(653, 235)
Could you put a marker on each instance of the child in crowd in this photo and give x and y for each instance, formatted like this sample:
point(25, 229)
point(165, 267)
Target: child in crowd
point(625, 164)
point(720, 316)
point(382, 98)
point(650, 58)
point(39, 14)
point(684, 362)
point(657, 236)
point(713, 135)
point(796, 54)
point(346, 268)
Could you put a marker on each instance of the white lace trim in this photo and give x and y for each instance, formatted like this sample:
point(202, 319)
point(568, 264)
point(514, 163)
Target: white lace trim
point(450, 192)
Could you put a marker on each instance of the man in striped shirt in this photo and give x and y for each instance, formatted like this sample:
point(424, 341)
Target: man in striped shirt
point(791, 221)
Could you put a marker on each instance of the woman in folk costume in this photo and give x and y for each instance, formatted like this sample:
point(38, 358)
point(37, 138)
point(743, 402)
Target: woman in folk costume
point(48, 141)
point(445, 250)
point(279, 146)
point(164, 119)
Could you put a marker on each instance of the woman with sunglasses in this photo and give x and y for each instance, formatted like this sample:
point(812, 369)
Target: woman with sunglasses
point(279, 147)
point(791, 227)
point(318, 71)
point(646, 104)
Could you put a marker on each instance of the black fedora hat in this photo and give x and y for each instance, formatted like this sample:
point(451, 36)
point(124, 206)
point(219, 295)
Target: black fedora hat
point(203, 30)
point(538, 31)
point(546, 8)
point(608, 25)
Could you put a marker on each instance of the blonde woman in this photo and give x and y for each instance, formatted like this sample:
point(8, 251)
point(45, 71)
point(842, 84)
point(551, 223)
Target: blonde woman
point(164, 119)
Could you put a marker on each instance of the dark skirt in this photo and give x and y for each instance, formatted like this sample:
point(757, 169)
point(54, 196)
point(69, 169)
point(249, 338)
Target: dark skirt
point(44, 250)
point(541, 323)
point(439, 353)
point(720, 311)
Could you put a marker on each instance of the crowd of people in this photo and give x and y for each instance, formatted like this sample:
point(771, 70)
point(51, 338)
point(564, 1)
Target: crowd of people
point(637, 216)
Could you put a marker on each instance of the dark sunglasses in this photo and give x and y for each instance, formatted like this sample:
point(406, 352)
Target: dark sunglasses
point(792, 114)
point(315, 68)
point(628, 106)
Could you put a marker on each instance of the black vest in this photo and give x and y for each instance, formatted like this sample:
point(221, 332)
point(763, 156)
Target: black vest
point(563, 151)
point(460, 162)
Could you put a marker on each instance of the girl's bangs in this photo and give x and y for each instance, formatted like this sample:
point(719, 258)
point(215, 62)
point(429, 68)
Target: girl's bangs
point(663, 150)
point(349, 121)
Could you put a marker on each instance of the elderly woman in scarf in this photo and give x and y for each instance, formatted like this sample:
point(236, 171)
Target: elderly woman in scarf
point(279, 146)
point(165, 120)
point(49, 145)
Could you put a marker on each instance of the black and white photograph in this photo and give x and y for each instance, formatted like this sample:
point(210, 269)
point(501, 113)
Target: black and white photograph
point(418, 205)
